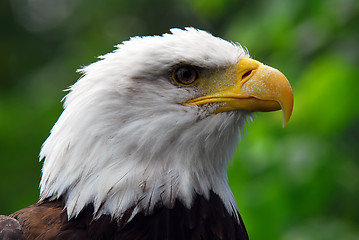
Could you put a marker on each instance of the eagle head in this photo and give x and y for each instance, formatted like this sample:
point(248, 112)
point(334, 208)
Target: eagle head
point(157, 121)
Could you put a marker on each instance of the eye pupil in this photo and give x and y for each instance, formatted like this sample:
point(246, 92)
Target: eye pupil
point(185, 75)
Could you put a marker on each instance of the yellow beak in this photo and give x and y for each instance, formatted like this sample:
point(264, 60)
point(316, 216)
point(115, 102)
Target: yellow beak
point(257, 87)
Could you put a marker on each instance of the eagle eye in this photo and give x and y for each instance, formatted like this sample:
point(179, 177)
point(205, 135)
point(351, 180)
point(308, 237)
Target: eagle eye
point(185, 75)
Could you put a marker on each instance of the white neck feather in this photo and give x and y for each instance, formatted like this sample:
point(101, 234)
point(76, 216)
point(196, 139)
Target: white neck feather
point(141, 163)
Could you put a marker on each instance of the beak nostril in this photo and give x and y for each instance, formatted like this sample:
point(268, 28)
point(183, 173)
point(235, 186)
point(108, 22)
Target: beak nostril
point(246, 74)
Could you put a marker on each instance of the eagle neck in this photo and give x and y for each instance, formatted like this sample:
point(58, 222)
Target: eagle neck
point(140, 167)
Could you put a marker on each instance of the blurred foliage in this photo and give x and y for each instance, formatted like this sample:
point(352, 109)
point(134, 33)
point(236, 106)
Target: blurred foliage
point(301, 182)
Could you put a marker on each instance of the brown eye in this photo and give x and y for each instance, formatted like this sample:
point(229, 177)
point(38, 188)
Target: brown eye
point(185, 75)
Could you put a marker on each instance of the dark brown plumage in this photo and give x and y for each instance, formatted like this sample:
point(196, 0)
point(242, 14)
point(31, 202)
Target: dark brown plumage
point(207, 219)
point(10, 228)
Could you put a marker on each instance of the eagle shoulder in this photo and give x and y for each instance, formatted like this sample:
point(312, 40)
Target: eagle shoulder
point(10, 228)
point(42, 220)
point(207, 218)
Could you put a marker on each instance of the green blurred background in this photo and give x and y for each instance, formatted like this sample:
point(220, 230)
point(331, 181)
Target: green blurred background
point(300, 182)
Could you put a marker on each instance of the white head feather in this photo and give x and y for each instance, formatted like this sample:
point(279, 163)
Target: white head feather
point(125, 140)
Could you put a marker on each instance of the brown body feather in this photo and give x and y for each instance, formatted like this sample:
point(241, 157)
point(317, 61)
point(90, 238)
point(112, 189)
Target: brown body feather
point(206, 219)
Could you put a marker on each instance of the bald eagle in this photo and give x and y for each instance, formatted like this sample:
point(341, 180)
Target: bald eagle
point(142, 146)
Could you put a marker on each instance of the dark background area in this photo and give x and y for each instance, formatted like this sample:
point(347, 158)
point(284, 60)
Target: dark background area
point(300, 182)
